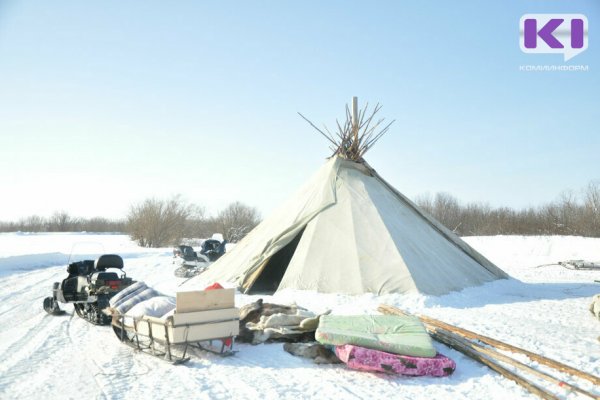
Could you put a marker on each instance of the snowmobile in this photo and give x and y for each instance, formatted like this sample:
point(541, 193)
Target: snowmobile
point(213, 249)
point(184, 255)
point(188, 261)
point(89, 287)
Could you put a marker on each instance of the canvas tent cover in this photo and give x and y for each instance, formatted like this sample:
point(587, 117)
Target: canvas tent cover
point(349, 231)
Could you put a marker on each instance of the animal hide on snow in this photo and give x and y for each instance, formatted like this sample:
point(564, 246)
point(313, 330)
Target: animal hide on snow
point(261, 322)
point(317, 352)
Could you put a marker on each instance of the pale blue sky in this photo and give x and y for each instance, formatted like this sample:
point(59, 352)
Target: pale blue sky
point(105, 103)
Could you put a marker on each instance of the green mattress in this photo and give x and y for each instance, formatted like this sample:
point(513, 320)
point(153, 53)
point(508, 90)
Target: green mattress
point(390, 333)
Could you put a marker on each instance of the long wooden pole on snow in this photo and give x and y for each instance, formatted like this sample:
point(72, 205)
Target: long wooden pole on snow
point(451, 335)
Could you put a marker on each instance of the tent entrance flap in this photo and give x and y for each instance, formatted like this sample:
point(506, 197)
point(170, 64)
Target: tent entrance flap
point(272, 273)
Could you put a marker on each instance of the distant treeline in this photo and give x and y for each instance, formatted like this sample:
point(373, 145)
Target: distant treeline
point(571, 214)
point(152, 223)
point(158, 222)
point(61, 221)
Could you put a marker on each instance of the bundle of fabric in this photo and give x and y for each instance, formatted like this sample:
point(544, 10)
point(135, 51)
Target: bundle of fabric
point(380, 361)
point(261, 322)
point(138, 300)
point(383, 343)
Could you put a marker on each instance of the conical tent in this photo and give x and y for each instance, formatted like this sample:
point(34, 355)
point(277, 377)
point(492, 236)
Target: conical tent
point(348, 231)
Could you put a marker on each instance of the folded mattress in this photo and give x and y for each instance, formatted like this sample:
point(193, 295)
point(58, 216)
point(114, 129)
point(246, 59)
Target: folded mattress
point(404, 335)
point(364, 359)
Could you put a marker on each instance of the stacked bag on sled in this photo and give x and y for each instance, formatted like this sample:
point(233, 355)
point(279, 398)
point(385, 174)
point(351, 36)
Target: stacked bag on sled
point(383, 343)
point(139, 299)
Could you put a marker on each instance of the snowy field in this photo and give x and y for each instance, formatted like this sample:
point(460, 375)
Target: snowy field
point(544, 310)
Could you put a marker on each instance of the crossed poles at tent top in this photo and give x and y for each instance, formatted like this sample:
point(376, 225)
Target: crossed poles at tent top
point(357, 134)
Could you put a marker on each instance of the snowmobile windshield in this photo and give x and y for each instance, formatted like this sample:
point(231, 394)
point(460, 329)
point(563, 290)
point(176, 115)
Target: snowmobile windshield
point(85, 251)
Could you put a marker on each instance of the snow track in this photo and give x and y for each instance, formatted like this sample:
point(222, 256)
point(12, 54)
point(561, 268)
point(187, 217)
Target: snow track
point(66, 357)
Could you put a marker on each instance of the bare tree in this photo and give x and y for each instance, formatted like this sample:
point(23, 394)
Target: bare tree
point(60, 221)
point(443, 207)
point(425, 202)
point(157, 223)
point(33, 223)
point(591, 209)
point(235, 221)
point(198, 225)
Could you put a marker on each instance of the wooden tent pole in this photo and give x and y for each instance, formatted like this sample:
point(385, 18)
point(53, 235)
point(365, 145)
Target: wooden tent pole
point(386, 309)
point(442, 335)
point(490, 363)
point(505, 346)
point(355, 118)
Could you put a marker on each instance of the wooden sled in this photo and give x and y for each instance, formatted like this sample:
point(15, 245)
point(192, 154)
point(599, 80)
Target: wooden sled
point(580, 264)
point(200, 316)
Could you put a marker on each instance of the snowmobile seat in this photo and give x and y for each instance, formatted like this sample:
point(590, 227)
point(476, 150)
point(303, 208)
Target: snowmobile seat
point(188, 253)
point(105, 276)
point(106, 261)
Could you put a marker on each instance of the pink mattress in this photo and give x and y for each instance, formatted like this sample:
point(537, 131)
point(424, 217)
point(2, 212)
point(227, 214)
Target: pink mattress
point(379, 361)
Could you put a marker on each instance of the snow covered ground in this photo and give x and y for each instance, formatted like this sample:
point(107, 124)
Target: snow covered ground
point(542, 309)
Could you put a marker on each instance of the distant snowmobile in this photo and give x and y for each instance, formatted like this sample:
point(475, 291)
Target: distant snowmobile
point(213, 249)
point(89, 287)
point(191, 263)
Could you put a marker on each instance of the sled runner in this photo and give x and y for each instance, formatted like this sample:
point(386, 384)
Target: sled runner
point(201, 319)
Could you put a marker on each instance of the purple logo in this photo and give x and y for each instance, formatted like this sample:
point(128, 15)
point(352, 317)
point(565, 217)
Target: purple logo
point(554, 33)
